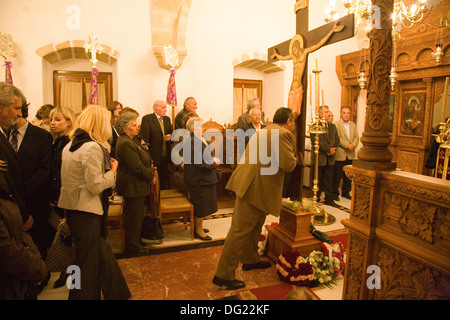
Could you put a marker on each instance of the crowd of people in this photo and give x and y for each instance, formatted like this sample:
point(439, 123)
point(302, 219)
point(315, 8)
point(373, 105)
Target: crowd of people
point(67, 166)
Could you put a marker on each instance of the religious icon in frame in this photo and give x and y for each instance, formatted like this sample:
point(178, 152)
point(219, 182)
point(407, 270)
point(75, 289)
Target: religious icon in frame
point(412, 114)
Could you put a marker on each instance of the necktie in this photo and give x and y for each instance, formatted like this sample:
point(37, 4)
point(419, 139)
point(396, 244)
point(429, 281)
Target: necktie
point(13, 139)
point(164, 149)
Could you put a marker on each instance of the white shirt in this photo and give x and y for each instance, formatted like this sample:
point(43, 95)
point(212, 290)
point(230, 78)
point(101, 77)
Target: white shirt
point(347, 128)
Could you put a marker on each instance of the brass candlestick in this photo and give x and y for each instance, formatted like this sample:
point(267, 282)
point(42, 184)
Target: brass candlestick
point(318, 127)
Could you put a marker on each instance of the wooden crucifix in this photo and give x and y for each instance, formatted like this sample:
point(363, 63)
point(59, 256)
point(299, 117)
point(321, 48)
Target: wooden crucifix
point(298, 49)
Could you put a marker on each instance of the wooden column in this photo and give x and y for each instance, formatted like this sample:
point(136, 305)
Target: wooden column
point(376, 138)
point(373, 157)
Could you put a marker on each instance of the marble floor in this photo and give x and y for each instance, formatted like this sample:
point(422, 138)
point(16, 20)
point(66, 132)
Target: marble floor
point(170, 274)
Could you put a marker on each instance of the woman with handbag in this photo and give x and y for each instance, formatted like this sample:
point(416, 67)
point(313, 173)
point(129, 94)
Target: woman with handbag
point(134, 176)
point(87, 171)
point(62, 120)
point(200, 175)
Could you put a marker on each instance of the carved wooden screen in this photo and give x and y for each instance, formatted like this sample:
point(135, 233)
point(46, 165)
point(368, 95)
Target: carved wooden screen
point(417, 99)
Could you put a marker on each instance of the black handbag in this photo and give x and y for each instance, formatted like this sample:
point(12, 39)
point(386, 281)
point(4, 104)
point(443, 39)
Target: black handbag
point(152, 228)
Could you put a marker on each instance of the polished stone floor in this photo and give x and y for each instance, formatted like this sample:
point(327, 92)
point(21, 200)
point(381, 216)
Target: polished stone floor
point(169, 273)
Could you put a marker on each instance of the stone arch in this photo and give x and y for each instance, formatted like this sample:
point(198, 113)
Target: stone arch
point(258, 62)
point(74, 49)
point(169, 26)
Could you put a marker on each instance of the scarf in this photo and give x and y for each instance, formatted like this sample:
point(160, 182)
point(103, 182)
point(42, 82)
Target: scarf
point(80, 137)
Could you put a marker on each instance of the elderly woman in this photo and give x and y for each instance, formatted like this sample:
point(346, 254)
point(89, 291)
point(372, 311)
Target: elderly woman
point(200, 175)
point(134, 176)
point(87, 171)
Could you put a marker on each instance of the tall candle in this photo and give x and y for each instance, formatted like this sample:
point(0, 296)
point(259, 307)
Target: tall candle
point(444, 104)
point(310, 97)
point(323, 103)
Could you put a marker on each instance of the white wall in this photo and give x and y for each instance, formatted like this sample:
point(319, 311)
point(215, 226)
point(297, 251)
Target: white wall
point(217, 33)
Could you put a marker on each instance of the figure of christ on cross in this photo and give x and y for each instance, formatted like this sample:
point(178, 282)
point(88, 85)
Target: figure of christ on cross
point(298, 53)
point(313, 40)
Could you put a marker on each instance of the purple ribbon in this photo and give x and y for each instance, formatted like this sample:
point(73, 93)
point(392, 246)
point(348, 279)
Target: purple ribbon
point(93, 97)
point(8, 74)
point(171, 89)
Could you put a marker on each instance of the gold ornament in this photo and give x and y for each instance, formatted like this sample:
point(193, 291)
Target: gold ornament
point(7, 46)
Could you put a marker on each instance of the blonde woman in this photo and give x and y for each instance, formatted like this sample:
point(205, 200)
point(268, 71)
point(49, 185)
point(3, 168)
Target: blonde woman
point(61, 123)
point(86, 172)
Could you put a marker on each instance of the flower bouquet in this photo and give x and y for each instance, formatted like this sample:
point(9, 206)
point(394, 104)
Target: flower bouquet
point(320, 263)
point(292, 268)
point(292, 205)
point(263, 239)
point(336, 256)
point(295, 205)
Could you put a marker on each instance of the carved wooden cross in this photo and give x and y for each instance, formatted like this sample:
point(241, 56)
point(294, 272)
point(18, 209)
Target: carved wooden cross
point(311, 38)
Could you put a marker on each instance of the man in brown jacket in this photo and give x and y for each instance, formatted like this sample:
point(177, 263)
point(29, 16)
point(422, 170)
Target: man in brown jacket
point(258, 185)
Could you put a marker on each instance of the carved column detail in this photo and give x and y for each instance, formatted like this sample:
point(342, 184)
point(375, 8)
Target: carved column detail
point(354, 272)
point(375, 138)
point(399, 223)
point(405, 279)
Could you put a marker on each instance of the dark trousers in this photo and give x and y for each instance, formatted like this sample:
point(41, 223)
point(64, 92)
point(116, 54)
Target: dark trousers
point(163, 173)
point(338, 174)
point(99, 270)
point(326, 182)
point(133, 215)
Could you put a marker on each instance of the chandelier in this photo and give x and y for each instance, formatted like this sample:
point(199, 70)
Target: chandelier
point(408, 12)
point(438, 52)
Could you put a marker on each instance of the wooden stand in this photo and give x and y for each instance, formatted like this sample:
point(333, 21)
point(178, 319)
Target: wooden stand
point(292, 233)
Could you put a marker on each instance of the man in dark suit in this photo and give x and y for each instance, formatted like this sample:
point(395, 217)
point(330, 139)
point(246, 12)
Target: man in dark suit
point(254, 125)
point(34, 149)
point(156, 131)
point(189, 105)
point(328, 144)
point(244, 119)
point(258, 188)
point(10, 111)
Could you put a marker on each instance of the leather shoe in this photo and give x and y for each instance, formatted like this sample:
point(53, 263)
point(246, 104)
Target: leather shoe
point(207, 238)
point(347, 196)
point(205, 230)
point(61, 281)
point(257, 265)
point(333, 204)
point(228, 284)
